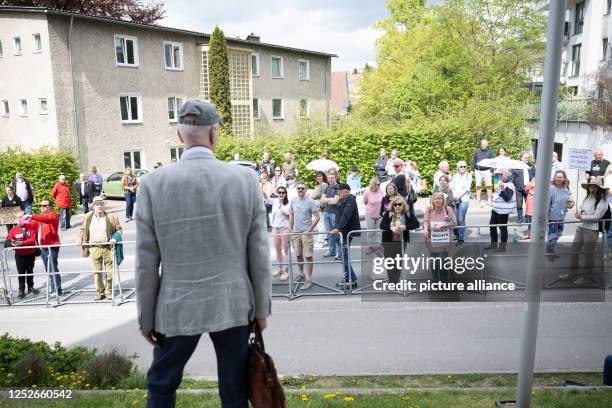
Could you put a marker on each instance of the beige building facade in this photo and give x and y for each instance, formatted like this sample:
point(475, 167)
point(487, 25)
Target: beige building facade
point(110, 90)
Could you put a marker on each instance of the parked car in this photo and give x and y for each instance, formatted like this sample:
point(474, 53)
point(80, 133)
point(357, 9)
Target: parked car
point(111, 188)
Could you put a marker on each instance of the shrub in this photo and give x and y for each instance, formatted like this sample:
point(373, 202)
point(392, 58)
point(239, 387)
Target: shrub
point(31, 369)
point(108, 369)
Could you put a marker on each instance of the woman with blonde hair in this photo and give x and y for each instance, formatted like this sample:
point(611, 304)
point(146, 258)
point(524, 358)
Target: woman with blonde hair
point(395, 232)
point(129, 184)
point(438, 222)
point(372, 199)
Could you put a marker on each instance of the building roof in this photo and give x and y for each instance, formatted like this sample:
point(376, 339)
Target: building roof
point(51, 11)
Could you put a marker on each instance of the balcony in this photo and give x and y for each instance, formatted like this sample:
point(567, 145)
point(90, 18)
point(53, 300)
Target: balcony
point(574, 110)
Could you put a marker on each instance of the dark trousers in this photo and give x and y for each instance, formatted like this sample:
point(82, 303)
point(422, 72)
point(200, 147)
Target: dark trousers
point(85, 204)
point(25, 265)
point(130, 199)
point(498, 219)
point(166, 372)
point(391, 250)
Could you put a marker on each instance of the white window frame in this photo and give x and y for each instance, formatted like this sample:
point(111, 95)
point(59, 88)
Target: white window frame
point(5, 109)
point(136, 56)
point(258, 116)
point(256, 73)
point(177, 152)
point(139, 104)
point(142, 158)
point(34, 49)
point(282, 70)
point(42, 111)
point(307, 108)
point(181, 59)
point(22, 112)
point(177, 107)
point(307, 69)
point(282, 115)
point(15, 40)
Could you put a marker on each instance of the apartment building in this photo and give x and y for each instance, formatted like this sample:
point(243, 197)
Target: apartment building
point(110, 90)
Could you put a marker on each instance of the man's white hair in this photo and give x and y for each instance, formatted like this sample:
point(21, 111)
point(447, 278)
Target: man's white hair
point(194, 133)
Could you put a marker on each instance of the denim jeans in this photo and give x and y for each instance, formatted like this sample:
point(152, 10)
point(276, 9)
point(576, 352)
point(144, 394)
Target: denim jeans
point(130, 199)
point(461, 209)
point(85, 203)
point(521, 197)
point(334, 240)
point(54, 268)
point(346, 265)
point(27, 206)
point(65, 214)
point(554, 233)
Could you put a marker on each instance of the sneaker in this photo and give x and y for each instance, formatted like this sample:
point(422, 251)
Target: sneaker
point(337, 257)
point(34, 291)
point(328, 255)
point(21, 294)
point(307, 285)
point(99, 297)
point(284, 276)
point(300, 278)
point(52, 295)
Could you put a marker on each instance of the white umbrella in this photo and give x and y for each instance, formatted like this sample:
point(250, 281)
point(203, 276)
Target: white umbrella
point(503, 163)
point(322, 165)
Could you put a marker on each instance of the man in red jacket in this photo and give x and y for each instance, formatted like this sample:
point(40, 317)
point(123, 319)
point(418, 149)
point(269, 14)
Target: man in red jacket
point(46, 224)
point(24, 234)
point(61, 195)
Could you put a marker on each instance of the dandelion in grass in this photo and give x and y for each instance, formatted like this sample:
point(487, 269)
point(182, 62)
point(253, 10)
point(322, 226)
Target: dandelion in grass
point(327, 396)
point(349, 399)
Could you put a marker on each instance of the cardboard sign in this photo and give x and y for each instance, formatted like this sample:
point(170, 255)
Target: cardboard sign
point(8, 215)
point(580, 159)
point(440, 236)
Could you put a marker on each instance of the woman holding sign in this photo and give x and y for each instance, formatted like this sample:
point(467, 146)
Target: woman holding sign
point(438, 222)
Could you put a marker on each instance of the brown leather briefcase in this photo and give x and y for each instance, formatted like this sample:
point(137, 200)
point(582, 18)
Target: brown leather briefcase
point(265, 391)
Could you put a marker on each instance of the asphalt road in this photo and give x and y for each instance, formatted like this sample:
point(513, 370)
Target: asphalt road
point(341, 335)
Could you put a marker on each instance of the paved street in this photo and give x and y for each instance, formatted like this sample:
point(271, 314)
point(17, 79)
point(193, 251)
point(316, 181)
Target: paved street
point(341, 335)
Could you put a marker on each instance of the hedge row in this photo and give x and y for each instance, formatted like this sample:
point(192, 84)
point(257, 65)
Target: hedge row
point(42, 167)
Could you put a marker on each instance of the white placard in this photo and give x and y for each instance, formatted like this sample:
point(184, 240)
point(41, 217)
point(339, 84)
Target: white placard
point(580, 159)
point(441, 236)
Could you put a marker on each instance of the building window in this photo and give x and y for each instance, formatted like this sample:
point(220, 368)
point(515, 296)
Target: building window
point(277, 67)
point(173, 54)
point(304, 70)
point(126, 51)
point(4, 107)
point(43, 106)
point(604, 49)
point(304, 108)
point(277, 109)
point(131, 109)
point(256, 108)
point(579, 18)
point(174, 104)
point(133, 159)
point(36, 43)
point(17, 45)
point(255, 64)
point(24, 107)
point(176, 153)
point(576, 59)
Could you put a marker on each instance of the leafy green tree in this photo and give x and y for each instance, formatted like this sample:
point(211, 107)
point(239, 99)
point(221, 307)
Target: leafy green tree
point(218, 71)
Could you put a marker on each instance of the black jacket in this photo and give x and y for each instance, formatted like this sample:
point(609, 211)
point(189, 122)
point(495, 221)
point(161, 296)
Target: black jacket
point(16, 201)
point(28, 188)
point(380, 165)
point(598, 169)
point(479, 155)
point(89, 189)
point(347, 216)
point(385, 225)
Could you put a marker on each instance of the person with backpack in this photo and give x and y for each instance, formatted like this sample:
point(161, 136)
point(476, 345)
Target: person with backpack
point(23, 235)
point(594, 207)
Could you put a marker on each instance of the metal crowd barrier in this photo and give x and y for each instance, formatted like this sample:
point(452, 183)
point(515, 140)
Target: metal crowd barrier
point(119, 293)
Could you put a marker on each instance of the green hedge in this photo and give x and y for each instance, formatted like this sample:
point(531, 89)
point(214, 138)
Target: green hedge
point(357, 145)
point(42, 167)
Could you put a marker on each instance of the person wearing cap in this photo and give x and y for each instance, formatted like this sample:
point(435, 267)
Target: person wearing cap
point(353, 179)
point(61, 194)
point(289, 166)
point(460, 185)
point(46, 224)
point(85, 188)
point(23, 189)
point(347, 220)
point(216, 275)
point(97, 230)
point(594, 207)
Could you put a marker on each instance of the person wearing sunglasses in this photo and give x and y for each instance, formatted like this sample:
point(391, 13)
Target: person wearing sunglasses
point(277, 180)
point(461, 185)
point(280, 229)
point(395, 234)
point(47, 224)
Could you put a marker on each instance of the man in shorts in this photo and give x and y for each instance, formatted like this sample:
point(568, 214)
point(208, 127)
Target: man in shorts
point(303, 218)
point(483, 173)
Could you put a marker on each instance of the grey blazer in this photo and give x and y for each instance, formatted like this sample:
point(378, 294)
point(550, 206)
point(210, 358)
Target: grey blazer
point(204, 222)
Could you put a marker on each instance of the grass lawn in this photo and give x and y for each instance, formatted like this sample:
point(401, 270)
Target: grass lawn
point(458, 399)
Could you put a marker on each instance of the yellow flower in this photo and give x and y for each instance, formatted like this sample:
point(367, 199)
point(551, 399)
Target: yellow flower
point(145, 396)
point(349, 399)
point(405, 397)
point(305, 398)
point(34, 385)
point(135, 402)
point(87, 385)
point(303, 387)
point(338, 393)
point(326, 396)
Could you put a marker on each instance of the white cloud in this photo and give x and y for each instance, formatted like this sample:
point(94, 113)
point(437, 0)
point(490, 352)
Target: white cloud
point(342, 27)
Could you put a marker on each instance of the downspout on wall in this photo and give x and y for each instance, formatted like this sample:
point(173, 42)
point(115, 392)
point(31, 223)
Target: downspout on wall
point(74, 108)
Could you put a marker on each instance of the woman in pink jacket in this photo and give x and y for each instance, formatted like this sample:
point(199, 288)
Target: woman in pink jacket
point(530, 189)
point(372, 199)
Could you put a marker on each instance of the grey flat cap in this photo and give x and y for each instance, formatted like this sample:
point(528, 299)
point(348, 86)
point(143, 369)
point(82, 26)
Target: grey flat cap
point(203, 113)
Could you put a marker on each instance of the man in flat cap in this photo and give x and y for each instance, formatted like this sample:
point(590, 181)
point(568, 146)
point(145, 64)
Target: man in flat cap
point(347, 220)
point(216, 273)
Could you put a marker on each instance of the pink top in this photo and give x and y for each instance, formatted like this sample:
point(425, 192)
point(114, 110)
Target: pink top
point(372, 202)
point(529, 202)
point(434, 217)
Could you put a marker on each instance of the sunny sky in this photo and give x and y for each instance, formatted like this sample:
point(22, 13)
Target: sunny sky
point(342, 27)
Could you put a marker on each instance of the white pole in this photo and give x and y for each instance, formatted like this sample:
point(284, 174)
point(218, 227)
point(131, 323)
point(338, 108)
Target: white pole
point(548, 122)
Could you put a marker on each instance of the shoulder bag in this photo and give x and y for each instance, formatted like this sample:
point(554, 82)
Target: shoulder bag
point(265, 390)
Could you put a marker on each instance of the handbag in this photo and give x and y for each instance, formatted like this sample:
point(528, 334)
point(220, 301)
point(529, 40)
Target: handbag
point(411, 221)
point(265, 391)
